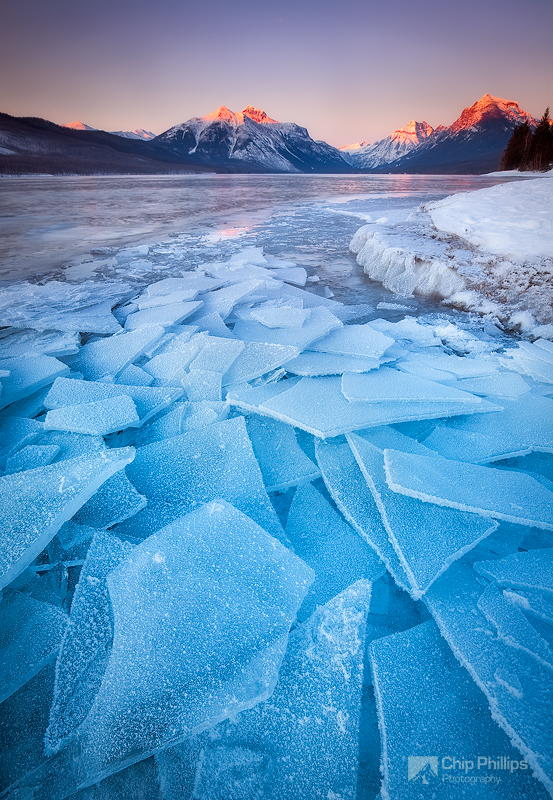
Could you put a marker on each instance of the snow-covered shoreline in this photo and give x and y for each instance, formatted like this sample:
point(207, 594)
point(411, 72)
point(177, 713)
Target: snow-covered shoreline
point(488, 251)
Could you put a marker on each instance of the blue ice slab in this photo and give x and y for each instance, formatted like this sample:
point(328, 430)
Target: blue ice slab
point(536, 603)
point(32, 456)
point(501, 494)
point(217, 354)
point(389, 438)
point(501, 384)
point(318, 406)
point(432, 715)
point(31, 635)
point(512, 627)
point(231, 772)
point(27, 375)
point(348, 488)
point(355, 340)
point(222, 301)
point(135, 376)
point(320, 323)
point(139, 781)
point(203, 413)
point(257, 359)
point(518, 689)
point(214, 324)
point(278, 315)
point(35, 504)
point(454, 366)
point(202, 384)
point(426, 537)
point(72, 445)
point(110, 355)
point(165, 316)
point(311, 364)
point(388, 385)
point(149, 400)
point(307, 733)
point(169, 424)
point(114, 502)
point(16, 432)
point(282, 461)
point(211, 654)
point(527, 570)
point(325, 541)
point(97, 418)
point(523, 426)
point(86, 644)
point(179, 474)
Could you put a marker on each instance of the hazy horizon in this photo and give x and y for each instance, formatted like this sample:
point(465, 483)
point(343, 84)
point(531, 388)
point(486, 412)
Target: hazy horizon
point(349, 72)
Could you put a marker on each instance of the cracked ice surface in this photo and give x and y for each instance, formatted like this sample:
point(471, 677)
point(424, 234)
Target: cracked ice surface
point(216, 490)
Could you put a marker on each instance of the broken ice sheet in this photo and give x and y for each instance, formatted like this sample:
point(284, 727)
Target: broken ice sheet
point(86, 644)
point(278, 315)
point(501, 384)
point(282, 461)
point(217, 354)
point(27, 375)
point(319, 324)
point(325, 541)
point(512, 496)
point(35, 504)
point(15, 433)
point(427, 704)
point(135, 376)
point(34, 343)
point(177, 475)
point(202, 384)
point(167, 315)
point(213, 653)
point(310, 363)
point(517, 687)
point(318, 406)
point(257, 359)
point(149, 400)
point(522, 426)
point(426, 537)
point(114, 502)
point(110, 355)
point(348, 488)
point(455, 366)
point(97, 418)
point(31, 635)
point(512, 626)
point(308, 730)
point(355, 340)
point(32, 456)
point(386, 384)
point(526, 570)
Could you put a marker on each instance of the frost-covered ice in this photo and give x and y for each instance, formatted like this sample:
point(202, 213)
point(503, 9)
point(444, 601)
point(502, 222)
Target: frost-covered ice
point(490, 251)
point(216, 490)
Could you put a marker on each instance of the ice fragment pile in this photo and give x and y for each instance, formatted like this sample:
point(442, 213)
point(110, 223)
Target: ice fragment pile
point(253, 547)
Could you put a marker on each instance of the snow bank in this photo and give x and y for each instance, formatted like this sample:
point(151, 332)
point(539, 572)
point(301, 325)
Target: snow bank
point(514, 220)
point(488, 251)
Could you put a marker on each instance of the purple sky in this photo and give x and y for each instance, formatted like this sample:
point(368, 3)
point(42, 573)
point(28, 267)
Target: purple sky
point(346, 70)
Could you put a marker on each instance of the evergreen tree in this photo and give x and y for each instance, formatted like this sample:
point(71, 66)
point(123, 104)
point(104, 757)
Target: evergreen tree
point(540, 156)
point(517, 151)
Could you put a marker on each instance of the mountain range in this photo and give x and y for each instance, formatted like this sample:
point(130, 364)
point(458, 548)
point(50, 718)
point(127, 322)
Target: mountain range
point(251, 141)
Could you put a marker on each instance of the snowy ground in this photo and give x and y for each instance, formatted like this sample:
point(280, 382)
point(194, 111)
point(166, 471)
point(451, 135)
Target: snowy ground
point(489, 251)
point(258, 543)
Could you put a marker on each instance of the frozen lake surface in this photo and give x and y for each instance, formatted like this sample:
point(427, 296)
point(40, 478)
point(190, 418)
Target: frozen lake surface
point(47, 221)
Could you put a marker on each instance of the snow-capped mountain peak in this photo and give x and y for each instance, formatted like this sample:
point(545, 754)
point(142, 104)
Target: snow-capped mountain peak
point(368, 155)
point(136, 133)
point(413, 132)
point(77, 125)
point(489, 108)
point(258, 115)
point(251, 140)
